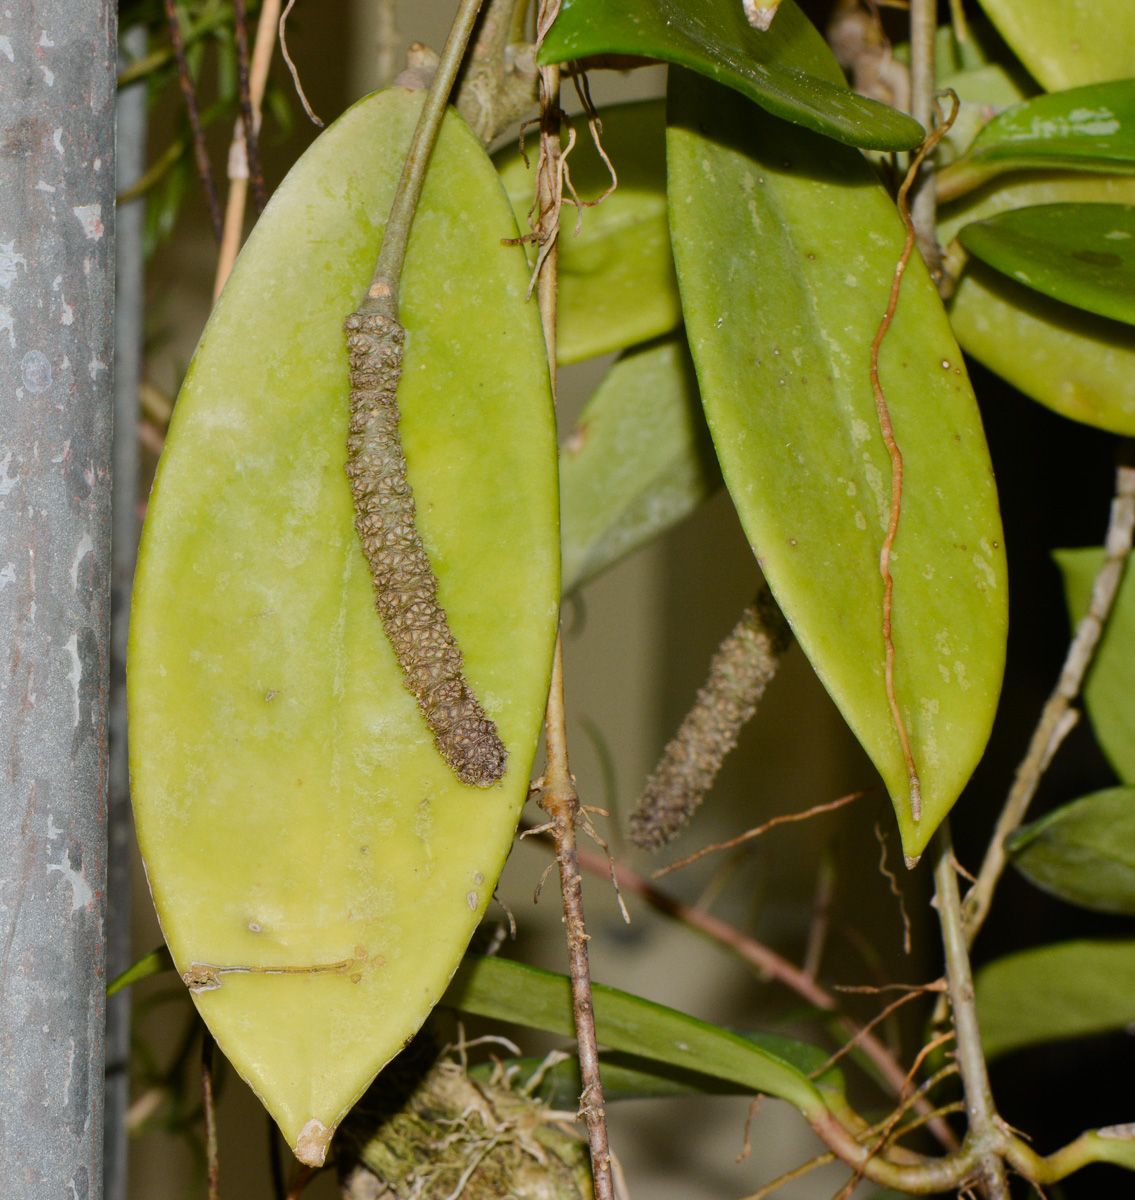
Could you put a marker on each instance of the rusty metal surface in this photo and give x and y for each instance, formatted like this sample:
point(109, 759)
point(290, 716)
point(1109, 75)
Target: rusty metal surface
point(57, 68)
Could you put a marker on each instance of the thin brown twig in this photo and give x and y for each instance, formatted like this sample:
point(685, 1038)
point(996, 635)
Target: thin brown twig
point(896, 891)
point(189, 92)
point(248, 116)
point(300, 1180)
point(872, 989)
point(275, 1166)
point(863, 1031)
point(292, 66)
point(821, 917)
point(821, 1160)
point(765, 960)
point(749, 835)
point(239, 166)
point(558, 797)
point(887, 429)
point(1053, 725)
point(212, 1158)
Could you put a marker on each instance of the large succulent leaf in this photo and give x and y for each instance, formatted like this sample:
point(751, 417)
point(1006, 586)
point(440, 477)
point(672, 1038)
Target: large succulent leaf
point(1069, 990)
point(629, 1077)
point(1079, 254)
point(1082, 129)
point(1065, 43)
point(1084, 852)
point(1080, 365)
point(786, 247)
point(524, 995)
point(639, 460)
point(785, 70)
point(292, 810)
point(1109, 690)
point(616, 272)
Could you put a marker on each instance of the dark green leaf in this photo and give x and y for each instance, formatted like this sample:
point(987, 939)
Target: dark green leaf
point(639, 460)
point(627, 1077)
point(511, 991)
point(616, 274)
point(787, 70)
point(1069, 990)
point(786, 248)
point(1069, 42)
point(1109, 691)
point(1082, 129)
point(1083, 852)
point(1079, 254)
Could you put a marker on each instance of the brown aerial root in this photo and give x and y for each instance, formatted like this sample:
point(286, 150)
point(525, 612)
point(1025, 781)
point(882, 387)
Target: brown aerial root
point(739, 673)
point(405, 587)
point(887, 429)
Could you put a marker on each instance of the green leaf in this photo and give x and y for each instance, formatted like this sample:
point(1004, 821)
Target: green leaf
point(1083, 852)
point(786, 247)
point(1080, 365)
point(154, 963)
point(787, 70)
point(639, 460)
point(511, 991)
point(1082, 129)
point(1109, 690)
point(628, 1077)
point(1069, 990)
point(1065, 43)
point(616, 274)
point(1079, 254)
point(292, 809)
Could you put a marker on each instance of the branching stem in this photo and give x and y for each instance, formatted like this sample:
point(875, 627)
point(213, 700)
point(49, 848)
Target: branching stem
point(984, 1132)
point(1054, 722)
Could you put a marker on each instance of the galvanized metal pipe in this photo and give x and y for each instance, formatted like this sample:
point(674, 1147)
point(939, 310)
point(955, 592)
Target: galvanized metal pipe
point(57, 96)
point(130, 152)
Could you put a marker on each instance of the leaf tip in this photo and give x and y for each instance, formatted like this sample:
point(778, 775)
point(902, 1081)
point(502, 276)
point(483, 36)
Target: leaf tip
point(311, 1145)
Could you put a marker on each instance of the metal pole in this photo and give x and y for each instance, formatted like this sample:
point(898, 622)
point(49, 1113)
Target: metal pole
point(57, 95)
point(128, 309)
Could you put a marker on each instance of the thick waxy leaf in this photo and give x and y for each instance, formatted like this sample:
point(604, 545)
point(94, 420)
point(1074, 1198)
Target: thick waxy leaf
point(511, 991)
point(307, 848)
point(639, 460)
point(786, 247)
point(1082, 129)
point(627, 1077)
point(1109, 691)
point(616, 275)
point(1065, 43)
point(1083, 852)
point(1079, 254)
point(1075, 363)
point(786, 70)
point(1069, 990)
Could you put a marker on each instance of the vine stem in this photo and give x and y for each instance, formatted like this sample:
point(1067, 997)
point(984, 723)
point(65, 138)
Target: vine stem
point(1058, 716)
point(238, 166)
point(923, 85)
point(768, 963)
point(985, 1136)
point(382, 295)
point(558, 797)
point(212, 1158)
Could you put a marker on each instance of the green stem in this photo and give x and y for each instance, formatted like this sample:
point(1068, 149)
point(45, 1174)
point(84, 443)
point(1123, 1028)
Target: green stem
point(923, 83)
point(984, 1133)
point(382, 295)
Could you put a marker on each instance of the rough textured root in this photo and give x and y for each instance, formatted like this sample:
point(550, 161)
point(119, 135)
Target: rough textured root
point(405, 587)
point(738, 675)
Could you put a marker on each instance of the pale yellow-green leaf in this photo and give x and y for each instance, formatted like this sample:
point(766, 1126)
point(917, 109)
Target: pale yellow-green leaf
point(1065, 43)
point(291, 807)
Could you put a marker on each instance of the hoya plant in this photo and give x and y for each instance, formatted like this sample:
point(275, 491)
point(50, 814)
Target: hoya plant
point(346, 671)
